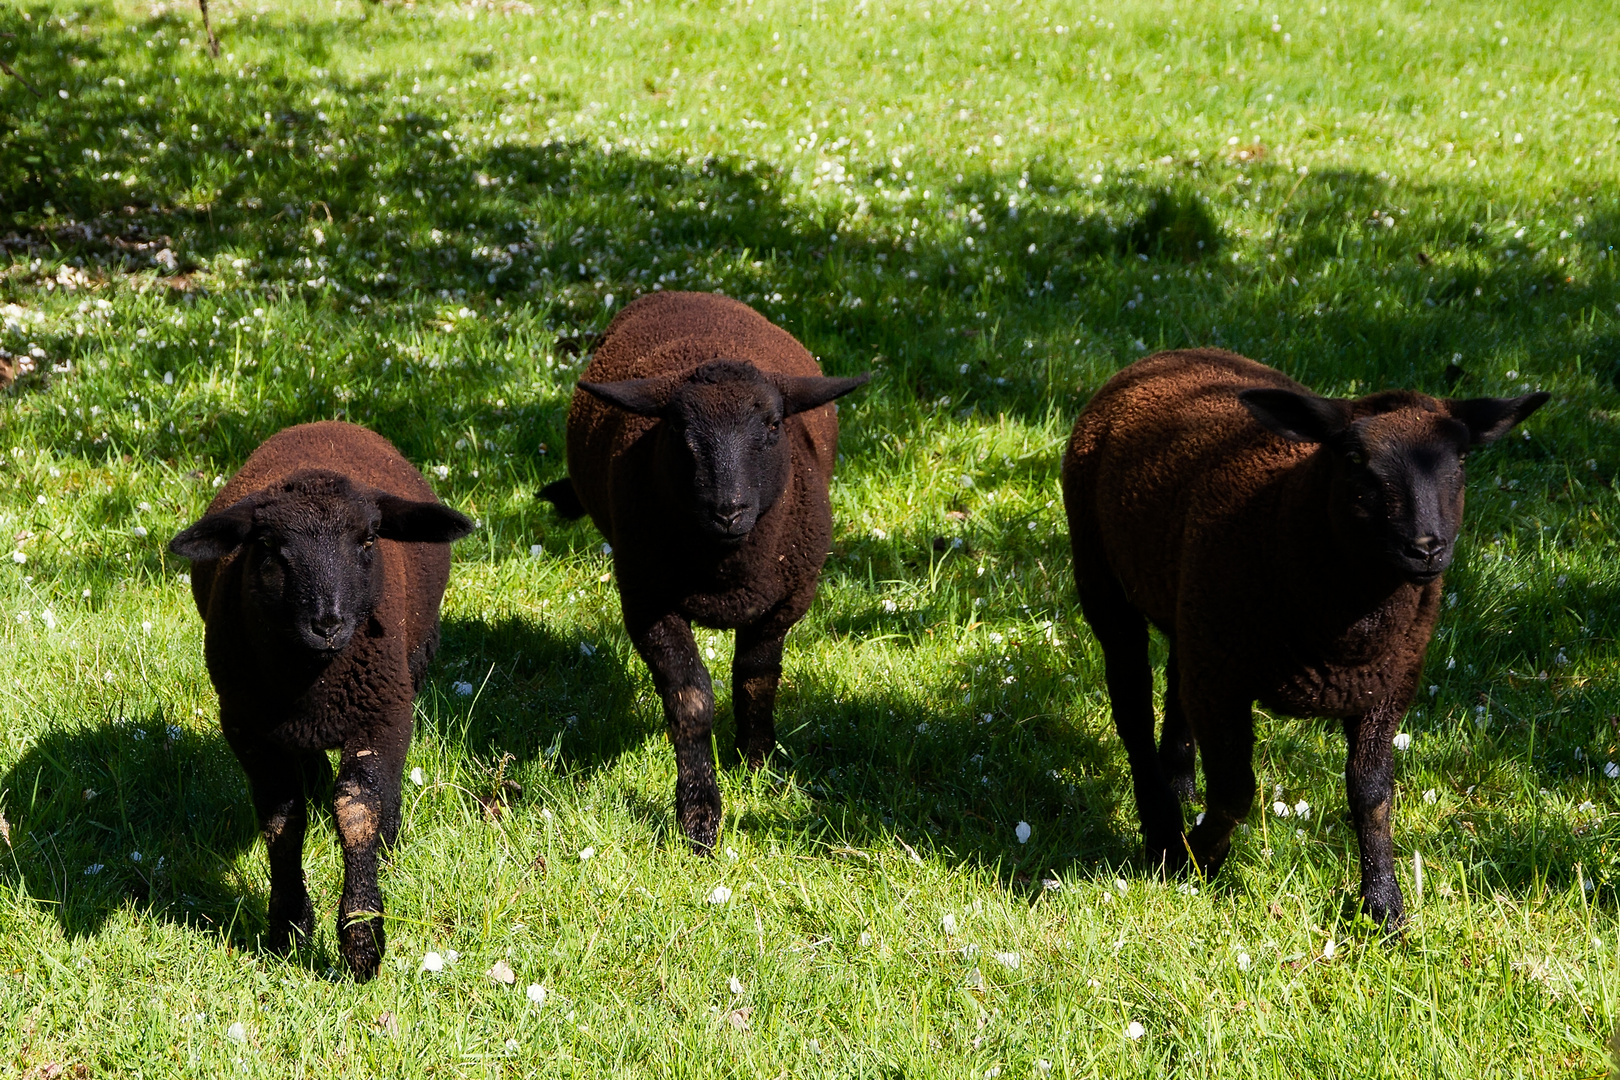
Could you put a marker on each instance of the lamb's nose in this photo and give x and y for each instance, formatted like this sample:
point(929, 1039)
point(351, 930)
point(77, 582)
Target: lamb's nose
point(327, 626)
point(730, 516)
point(1428, 546)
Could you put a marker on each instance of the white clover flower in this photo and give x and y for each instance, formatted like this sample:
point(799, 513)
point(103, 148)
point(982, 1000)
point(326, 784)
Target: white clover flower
point(18, 557)
point(1302, 810)
point(1611, 770)
point(734, 984)
point(1280, 808)
point(1009, 960)
point(1121, 885)
point(139, 530)
point(1431, 797)
point(720, 895)
point(442, 471)
point(947, 923)
point(1243, 961)
point(1329, 948)
point(432, 962)
point(536, 993)
point(1022, 832)
point(48, 619)
point(535, 551)
point(236, 1032)
point(501, 972)
point(418, 777)
point(1403, 741)
point(587, 854)
point(462, 689)
point(93, 869)
point(1134, 1031)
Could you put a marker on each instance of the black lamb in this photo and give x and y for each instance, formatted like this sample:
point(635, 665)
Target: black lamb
point(318, 571)
point(702, 442)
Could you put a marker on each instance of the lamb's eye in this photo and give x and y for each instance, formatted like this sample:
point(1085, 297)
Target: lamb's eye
point(1354, 457)
point(369, 540)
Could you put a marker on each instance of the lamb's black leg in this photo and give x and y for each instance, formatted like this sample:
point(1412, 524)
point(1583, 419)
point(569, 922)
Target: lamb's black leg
point(1122, 632)
point(1177, 753)
point(756, 669)
point(666, 644)
point(1369, 775)
point(1225, 732)
point(276, 778)
point(366, 807)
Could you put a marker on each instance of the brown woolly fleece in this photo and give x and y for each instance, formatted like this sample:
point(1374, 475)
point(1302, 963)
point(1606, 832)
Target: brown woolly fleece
point(1186, 512)
point(667, 575)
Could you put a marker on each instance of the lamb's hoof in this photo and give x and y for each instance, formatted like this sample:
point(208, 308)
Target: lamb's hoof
point(288, 931)
point(754, 757)
point(361, 942)
point(1168, 857)
point(1383, 904)
point(697, 808)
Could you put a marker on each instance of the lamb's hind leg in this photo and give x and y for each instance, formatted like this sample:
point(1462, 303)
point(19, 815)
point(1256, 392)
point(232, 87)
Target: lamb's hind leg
point(667, 645)
point(1178, 754)
point(756, 669)
point(1225, 732)
point(1370, 784)
point(1123, 634)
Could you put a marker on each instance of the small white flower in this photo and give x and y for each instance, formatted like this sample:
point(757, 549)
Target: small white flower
point(1009, 960)
point(1119, 883)
point(1243, 961)
point(502, 973)
point(1403, 741)
point(1431, 797)
point(890, 607)
point(18, 557)
point(134, 856)
point(947, 923)
point(879, 534)
point(442, 471)
point(432, 961)
point(1134, 1031)
point(535, 551)
point(236, 1032)
point(1043, 1066)
point(587, 854)
point(1280, 808)
point(146, 627)
point(418, 777)
point(48, 619)
point(139, 530)
point(1329, 948)
point(607, 549)
point(1199, 820)
point(536, 993)
point(93, 869)
point(720, 895)
point(1611, 770)
point(734, 984)
point(1302, 810)
point(865, 939)
point(1022, 832)
point(462, 689)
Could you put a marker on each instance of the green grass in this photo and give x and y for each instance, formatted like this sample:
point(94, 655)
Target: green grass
point(409, 216)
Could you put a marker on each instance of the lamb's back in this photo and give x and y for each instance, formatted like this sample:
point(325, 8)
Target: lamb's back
point(1164, 458)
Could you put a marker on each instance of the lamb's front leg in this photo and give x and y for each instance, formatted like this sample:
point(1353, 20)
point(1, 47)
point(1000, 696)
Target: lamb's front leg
point(756, 669)
point(276, 779)
point(666, 643)
point(366, 807)
point(1369, 776)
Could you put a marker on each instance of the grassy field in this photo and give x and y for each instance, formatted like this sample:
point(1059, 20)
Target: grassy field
point(413, 215)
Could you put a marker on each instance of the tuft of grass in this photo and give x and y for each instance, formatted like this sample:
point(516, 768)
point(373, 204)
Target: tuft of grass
point(416, 217)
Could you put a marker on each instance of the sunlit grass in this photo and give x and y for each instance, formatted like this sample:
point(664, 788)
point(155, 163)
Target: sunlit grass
point(415, 216)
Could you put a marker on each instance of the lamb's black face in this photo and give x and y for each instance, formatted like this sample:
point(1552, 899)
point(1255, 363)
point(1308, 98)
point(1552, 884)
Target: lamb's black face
point(310, 551)
point(313, 569)
point(1401, 477)
point(1398, 463)
point(721, 455)
point(722, 447)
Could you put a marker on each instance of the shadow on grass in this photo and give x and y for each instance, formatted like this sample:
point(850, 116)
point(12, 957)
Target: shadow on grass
point(134, 812)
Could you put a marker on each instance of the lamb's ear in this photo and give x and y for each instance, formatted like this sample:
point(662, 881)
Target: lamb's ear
point(412, 522)
point(216, 535)
point(644, 397)
point(1297, 417)
point(1489, 418)
point(802, 392)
